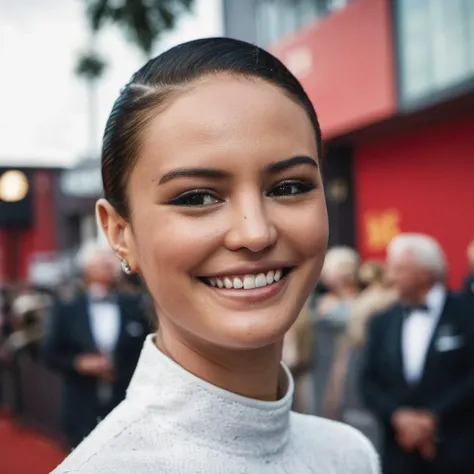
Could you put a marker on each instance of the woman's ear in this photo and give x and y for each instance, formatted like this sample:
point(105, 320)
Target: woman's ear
point(118, 233)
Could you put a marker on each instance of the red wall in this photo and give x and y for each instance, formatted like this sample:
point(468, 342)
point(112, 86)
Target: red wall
point(345, 62)
point(421, 181)
point(42, 236)
point(3, 243)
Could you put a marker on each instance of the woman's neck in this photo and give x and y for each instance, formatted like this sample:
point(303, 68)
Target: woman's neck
point(252, 373)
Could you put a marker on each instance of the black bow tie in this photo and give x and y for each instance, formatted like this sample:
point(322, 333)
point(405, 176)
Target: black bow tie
point(408, 309)
point(105, 299)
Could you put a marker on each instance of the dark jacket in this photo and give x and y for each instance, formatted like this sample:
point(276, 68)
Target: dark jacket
point(446, 387)
point(69, 335)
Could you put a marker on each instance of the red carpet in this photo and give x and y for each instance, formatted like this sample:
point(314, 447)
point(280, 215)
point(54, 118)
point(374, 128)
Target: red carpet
point(23, 451)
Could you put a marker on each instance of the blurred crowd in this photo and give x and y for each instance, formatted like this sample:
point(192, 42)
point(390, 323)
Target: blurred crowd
point(24, 309)
point(68, 354)
point(349, 294)
point(388, 348)
point(87, 334)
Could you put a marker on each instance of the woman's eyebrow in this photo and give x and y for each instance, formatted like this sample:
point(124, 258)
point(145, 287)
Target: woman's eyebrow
point(215, 173)
point(193, 173)
point(290, 163)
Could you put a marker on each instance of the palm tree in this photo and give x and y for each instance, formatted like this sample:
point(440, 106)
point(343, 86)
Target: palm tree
point(90, 67)
point(143, 21)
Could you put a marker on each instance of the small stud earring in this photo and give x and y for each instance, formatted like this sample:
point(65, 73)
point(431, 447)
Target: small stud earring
point(125, 266)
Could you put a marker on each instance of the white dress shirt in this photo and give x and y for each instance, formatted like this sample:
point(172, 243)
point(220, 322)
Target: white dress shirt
point(417, 332)
point(105, 324)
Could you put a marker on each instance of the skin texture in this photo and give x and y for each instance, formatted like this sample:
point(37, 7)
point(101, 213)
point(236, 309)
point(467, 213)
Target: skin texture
point(239, 126)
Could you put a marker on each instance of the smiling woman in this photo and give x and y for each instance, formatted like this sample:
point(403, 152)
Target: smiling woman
point(213, 194)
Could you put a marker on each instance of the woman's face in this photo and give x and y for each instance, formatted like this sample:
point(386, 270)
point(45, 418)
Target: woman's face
point(228, 215)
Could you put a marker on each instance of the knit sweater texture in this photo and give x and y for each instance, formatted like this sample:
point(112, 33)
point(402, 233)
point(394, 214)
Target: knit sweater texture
point(172, 422)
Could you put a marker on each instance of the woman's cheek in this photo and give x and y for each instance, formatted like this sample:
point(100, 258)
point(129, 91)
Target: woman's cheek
point(180, 243)
point(307, 229)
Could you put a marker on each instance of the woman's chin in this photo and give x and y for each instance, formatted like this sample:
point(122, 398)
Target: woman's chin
point(251, 331)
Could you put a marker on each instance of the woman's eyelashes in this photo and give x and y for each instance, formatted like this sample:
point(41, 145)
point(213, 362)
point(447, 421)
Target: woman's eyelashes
point(196, 198)
point(207, 198)
point(291, 188)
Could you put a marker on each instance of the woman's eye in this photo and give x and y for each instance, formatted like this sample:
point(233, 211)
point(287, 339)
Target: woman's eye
point(195, 198)
point(291, 188)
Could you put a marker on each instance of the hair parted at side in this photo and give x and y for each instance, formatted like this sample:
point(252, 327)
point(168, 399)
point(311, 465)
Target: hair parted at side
point(162, 77)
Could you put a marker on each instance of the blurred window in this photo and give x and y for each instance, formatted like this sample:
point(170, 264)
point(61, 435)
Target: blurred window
point(436, 46)
point(276, 19)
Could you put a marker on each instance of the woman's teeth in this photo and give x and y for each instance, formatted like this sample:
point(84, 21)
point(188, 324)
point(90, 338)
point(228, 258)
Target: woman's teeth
point(247, 282)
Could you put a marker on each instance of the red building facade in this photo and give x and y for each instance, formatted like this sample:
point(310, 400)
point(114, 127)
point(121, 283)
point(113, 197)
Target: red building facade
point(33, 229)
point(409, 130)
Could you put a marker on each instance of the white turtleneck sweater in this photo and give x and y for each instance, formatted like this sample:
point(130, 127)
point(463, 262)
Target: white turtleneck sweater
point(172, 422)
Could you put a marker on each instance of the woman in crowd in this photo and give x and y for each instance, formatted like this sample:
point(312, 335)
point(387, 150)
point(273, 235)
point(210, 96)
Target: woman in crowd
point(297, 355)
point(213, 194)
point(340, 276)
point(376, 296)
point(331, 315)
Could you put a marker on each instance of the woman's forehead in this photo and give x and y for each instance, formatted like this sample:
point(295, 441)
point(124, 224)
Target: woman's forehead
point(229, 115)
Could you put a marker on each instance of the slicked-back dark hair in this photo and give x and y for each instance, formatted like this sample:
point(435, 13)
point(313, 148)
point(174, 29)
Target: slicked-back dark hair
point(161, 78)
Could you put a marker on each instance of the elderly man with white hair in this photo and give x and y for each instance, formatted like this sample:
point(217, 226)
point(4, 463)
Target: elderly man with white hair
point(94, 341)
point(418, 374)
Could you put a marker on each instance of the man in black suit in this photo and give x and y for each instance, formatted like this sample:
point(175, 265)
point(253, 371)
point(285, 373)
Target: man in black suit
point(94, 341)
point(418, 371)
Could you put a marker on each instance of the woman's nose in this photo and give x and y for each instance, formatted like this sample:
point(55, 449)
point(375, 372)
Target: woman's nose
point(251, 228)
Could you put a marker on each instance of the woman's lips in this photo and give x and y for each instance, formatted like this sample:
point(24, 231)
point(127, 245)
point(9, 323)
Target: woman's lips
point(251, 292)
point(247, 282)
